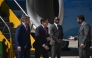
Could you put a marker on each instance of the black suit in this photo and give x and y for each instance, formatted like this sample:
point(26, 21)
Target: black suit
point(40, 39)
point(56, 34)
point(84, 37)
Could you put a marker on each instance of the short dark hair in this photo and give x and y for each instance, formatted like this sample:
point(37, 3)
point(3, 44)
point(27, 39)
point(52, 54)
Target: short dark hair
point(24, 17)
point(43, 20)
point(81, 17)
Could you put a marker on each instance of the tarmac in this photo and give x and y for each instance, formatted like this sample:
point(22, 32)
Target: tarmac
point(72, 52)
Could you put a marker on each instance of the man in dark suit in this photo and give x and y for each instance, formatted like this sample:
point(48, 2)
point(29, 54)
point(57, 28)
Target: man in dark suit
point(41, 39)
point(84, 37)
point(22, 37)
point(56, 34)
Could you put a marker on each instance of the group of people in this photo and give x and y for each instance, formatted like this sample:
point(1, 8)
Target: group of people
point(42, 38)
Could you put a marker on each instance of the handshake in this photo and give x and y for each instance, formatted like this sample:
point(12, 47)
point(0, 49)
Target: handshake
point(71, 38)
point(81, 45)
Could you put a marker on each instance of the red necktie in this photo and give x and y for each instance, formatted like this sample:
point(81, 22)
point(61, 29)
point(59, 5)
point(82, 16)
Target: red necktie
point(27, 29)
point(45, 30)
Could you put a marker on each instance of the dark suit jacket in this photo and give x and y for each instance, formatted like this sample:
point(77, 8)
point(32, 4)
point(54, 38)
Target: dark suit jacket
point(40, 36)
point(22, 37)
point(91, 33)
point(84, 35)
point(55, 34)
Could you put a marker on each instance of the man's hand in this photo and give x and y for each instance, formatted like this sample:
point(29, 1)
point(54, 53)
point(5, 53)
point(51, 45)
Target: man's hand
point(59, 41)
point(81, 46)
point(19, 48)
point(46, 47)
point(48, 39)
point(71, 38)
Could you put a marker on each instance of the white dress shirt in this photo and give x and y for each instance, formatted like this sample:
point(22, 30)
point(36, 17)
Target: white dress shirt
point(56, 25)
point(82, 23)
point(24, 24)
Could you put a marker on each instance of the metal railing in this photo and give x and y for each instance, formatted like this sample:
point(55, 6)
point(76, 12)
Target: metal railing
point(6, 26)
point(9, 32)
point(32, 23)
point(3, 28)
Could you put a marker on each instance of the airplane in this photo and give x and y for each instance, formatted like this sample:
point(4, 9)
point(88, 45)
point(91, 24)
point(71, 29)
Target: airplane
point(66, 10)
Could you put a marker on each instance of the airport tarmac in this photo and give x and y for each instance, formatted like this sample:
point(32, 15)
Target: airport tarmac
point(68, 57)
point(72, 53)
point(73, 45)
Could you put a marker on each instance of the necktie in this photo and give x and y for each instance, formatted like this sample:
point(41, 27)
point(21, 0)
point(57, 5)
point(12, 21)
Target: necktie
point(45, 30)
point(57, 27)
point(27, 29)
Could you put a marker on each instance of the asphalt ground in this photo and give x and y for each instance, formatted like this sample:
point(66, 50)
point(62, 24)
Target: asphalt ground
point(71, 53)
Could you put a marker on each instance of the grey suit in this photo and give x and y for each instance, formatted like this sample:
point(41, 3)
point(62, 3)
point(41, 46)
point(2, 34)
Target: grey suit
point(55, 34)
point(84, 37)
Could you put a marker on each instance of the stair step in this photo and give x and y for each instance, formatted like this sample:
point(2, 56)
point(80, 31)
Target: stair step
point(16, 53)
point(13, 40)
point(6, 29)
point(14, 46)
point(32, 55)
point(6, 19)
point(2, 14)
point(8, 23)
point(7, 35)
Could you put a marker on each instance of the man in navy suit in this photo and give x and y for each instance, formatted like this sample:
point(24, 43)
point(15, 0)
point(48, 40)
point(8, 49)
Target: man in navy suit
point(22, 37)
point(41, 39)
